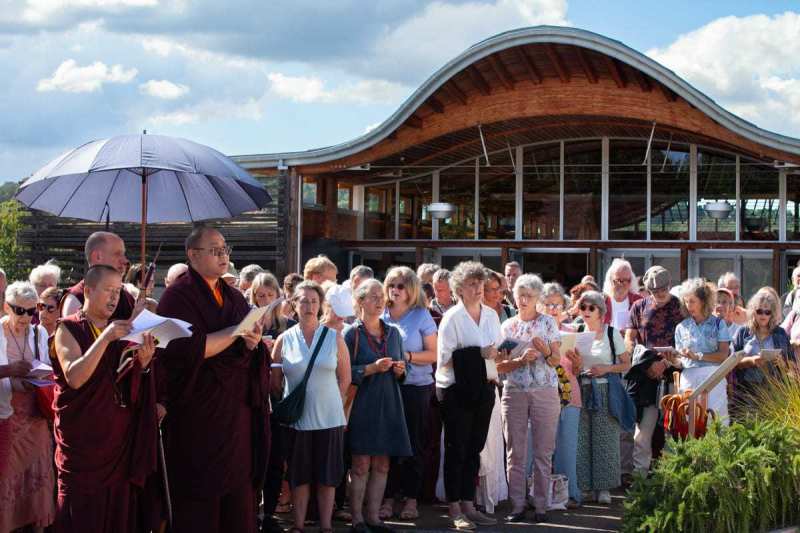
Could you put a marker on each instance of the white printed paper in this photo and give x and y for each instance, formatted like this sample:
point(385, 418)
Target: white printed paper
point(162, 328)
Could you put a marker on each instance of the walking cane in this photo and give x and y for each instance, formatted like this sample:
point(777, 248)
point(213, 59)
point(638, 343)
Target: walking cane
point(163, 459)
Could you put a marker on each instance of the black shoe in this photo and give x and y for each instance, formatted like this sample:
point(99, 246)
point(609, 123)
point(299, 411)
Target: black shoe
point(379, 528)
point(540, 517)
point(361, 527)
point(270, 525)
point(516, 517)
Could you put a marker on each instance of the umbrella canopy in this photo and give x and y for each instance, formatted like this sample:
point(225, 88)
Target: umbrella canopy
point(185, 182)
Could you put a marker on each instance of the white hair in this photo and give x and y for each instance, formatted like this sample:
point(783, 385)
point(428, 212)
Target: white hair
point(174, 271)
point(21, 290)
point(725, 278)
point(49, 269)
point(531, 282)
point(616, 265)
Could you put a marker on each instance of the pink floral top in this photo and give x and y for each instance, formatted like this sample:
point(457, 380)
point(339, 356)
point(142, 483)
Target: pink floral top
point(539, 374)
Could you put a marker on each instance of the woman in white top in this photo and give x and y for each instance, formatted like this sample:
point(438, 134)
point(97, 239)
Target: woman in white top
point(598, 462)
point(467, 324)
point(28, 477)
point(317, 437)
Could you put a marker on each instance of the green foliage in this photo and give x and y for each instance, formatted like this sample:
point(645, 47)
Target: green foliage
point(8, 190)
point(11, 213)
point(738, 479)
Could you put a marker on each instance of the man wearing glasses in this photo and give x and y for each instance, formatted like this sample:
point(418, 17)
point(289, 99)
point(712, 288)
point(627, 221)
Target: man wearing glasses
point(217, 429)
point(103, 248)
point(652, 324)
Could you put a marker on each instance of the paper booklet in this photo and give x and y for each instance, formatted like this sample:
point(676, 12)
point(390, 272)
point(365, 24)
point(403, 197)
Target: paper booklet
point(162, 328)
point(249, 322)
point(39, 371)
point(583, 343)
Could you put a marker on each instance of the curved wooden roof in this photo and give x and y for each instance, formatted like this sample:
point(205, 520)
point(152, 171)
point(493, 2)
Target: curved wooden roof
point(530, 85)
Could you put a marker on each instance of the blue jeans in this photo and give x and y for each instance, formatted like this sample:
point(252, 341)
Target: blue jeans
point(567, 448)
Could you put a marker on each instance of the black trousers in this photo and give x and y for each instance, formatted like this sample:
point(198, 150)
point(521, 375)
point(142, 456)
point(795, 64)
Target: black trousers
point(465, 430)
point(406, 473)
point(278, 454)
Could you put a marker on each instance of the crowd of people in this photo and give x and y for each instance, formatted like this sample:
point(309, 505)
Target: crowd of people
point(354, 401)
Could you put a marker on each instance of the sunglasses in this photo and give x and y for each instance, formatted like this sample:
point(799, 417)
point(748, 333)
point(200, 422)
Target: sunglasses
point(398, 286)
point(19, 311)
point(46, 307)
point(764, 312)
point(590, 307)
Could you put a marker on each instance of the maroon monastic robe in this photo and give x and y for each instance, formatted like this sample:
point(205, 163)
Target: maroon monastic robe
point(124, 308)
point(217, 426)
point(106, 445)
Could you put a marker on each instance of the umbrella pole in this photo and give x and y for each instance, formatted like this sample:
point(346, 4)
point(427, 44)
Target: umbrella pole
point(143, 271)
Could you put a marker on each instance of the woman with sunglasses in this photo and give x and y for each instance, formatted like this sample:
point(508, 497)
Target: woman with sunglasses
point(598, 460)
point(702, 342)
point(406, 308)
point(762, 331)
point(48, 309)
point(28, 476)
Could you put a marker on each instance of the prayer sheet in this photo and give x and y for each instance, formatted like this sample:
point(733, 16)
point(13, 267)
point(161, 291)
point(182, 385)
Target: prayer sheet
point(162, 328)
point(249, 321)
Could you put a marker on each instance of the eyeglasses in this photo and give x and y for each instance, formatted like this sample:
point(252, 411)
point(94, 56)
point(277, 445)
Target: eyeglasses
point(554, 306)
point(218, 252)
point(46, 307)
point(590, 307)
point(764, 312)
point(376, 299)
point(19, 311)
point(398, 286)
point(621, 281)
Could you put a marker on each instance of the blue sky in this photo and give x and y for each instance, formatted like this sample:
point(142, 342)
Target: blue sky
point(249, 76)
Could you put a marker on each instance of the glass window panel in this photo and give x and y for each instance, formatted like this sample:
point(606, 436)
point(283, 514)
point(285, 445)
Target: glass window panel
point(756, 273)
point(497, 200)
point(344, 196)
point(379, 211)
point(457, 187)
point(415, 197)
point(627, 201)
point(582, 190)
point(541, 190)
point(492, 262)
point(451, 261)
point(669, 209)
point(793, 207)
point(712, 268)
point(716, 183)
point(381, 262)
point(672, 264)
point(567, 268)
point(760, 201)
point(310, 189)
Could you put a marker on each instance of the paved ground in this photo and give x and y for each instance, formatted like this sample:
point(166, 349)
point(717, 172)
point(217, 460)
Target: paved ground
point(590, 517)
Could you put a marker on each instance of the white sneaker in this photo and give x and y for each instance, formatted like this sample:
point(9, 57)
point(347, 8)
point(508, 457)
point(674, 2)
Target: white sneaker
point(604, 497)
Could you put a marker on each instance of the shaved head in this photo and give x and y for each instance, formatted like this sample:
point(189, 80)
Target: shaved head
point(97, 273)
point(96, 241)
point(195, 238)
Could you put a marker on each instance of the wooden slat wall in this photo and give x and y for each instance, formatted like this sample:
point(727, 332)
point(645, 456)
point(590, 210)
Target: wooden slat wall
point(260, 237)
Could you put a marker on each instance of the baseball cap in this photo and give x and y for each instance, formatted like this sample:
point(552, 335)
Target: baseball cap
point(341, 300)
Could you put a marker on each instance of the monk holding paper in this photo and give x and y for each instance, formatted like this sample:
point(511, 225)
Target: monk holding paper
point(105, 422)
point(217, 430)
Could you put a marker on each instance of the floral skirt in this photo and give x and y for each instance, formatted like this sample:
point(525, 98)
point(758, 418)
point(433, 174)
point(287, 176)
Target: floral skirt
point(27, 480)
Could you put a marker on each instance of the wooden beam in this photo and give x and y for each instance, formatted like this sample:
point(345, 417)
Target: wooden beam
point(776, 269)
point(616, 72)
point(557, 62)
point(668, 94)
point(414, 122)
point(392, 136)
point(530, 66)
point(684, 263)
point(502, 72)
point(455, 92)
point(435, 104)
point(588, 70)
point(644, 82)
point(479, 81)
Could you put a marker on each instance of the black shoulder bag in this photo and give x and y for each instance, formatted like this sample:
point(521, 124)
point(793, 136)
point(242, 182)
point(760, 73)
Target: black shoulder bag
point(290, 409)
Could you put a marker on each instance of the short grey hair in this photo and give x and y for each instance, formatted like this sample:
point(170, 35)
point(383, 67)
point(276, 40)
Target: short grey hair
point(595, 298)
point(49, 269)
point(441, 275)
point(21, 290)
point(464, 271)
point(249, 272)
point(531, 282)
point(361, 271)
point(555, 289)
point(723, 279)
point(363, 289)
point(427, 269)
point(796, 271)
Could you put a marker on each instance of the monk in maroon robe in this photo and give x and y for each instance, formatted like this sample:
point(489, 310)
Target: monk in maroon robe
point(102, 248)
point(106, 422)
point(218, 386)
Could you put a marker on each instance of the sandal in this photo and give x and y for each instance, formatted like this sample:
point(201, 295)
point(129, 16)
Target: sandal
point(342, 515)
point(409, 512)
point(386, 511)
point(283, 508)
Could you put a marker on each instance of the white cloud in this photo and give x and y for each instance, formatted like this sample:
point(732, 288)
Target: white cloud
point(164, 89)
point(750, 65)
point(311, 89)
point(40, 10)
point(207, 110)
point(69, 77)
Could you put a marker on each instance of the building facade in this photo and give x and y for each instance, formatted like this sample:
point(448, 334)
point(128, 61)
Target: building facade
point(561, 149)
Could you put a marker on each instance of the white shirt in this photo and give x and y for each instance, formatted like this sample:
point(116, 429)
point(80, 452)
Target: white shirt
point(458, 330)
point(620, 312)
point(5, 384)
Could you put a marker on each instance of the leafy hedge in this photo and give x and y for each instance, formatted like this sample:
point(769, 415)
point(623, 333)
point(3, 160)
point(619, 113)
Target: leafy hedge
point(738, 479)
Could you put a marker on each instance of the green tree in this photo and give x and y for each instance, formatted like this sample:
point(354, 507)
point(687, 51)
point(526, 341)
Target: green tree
point(11, 214)
point(8, 190)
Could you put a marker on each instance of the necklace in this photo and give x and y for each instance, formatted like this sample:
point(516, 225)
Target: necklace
point(377, 345)
point(24, 347)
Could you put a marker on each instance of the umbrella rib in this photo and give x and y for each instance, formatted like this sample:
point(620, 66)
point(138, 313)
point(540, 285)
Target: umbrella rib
point(222, 199)
point(50, 183)
point(185, 199)
point(110, 190)
point(74, 191)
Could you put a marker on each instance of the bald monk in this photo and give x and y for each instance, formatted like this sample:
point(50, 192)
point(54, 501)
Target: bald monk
point(218, 385)
point(102, 248)
point(105, 427)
